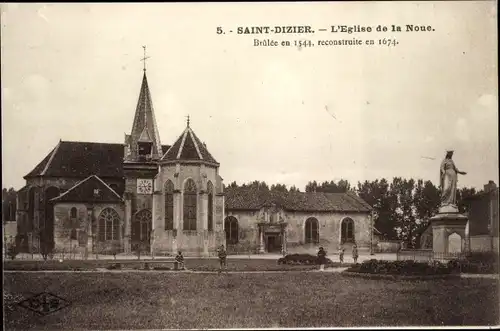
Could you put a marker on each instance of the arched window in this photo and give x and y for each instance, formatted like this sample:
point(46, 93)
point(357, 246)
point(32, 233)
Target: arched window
point(231, 228)
point(190, 197)
point(210, 189)
point(109, 225)
point(141, 227)
point(73, 221)
point(312, 231)
point(169, 205)
point(347, 230)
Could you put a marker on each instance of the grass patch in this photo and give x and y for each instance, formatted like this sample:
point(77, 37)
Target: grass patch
point(191, 264)
point(186, 301)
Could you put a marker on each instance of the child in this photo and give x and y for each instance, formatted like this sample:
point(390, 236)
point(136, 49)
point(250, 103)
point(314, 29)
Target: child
point(222, 258)
point(180, 260)
point(355, 253)
point(321, 258)
point(341, 254)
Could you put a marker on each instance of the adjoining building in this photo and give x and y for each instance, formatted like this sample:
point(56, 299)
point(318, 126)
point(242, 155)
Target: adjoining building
point(482, 229)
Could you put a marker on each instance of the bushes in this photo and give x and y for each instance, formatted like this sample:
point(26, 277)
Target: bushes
point(405, 268)
point(302, 259)
point(476, 263)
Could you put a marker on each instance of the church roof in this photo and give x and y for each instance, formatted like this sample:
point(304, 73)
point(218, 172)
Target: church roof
point(188, 147)
point(254, 199)
point(91, 189)
point(82, 159)
point(144, 126)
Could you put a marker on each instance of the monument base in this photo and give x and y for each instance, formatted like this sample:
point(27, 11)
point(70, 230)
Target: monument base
point(448, 233)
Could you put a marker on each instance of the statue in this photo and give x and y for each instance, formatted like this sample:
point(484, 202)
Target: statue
point(448, 181)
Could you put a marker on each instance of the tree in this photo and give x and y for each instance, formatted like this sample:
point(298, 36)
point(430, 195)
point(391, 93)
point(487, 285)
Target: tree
point(342, 186)
point(257, 185)
point(279, 188)
point(311, 186)
point(293, 188)
point(377, 194)
point(403, 189)
point(9, 205)
point(426, 201)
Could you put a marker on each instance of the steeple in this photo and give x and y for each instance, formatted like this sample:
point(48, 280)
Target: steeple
point(144, 139)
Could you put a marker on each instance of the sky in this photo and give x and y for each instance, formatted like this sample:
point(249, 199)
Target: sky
point(276, 114)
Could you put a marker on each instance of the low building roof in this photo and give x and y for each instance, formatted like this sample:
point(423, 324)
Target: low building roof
point(254, 199)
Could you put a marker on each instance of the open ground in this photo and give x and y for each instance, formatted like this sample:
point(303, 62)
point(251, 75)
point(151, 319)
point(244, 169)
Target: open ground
point(129, 300)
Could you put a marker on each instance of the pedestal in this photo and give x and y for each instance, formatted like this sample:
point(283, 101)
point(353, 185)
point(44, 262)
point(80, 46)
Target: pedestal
point(448, 222)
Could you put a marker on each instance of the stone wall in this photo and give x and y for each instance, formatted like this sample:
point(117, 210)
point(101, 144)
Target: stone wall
point(483, 243)
point(329, 230)
point(86, 228)
point(30, 225)
point(192, 243)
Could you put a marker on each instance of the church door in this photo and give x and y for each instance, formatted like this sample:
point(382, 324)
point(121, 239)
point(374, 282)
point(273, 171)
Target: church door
point(141, 231)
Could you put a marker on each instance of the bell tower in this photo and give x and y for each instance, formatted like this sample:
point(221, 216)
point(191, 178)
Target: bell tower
point(142, 152)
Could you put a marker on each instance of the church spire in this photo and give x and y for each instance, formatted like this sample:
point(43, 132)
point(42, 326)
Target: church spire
point(144, 128)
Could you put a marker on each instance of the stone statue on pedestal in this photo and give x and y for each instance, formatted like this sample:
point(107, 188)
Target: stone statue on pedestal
point(448, 178)
point(448, 222)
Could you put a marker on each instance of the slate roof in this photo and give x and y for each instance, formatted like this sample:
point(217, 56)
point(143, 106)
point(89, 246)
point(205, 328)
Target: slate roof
point(85, 190)
point(83, 159)
point(253, 199)
point(144, 127)
point(188, 147)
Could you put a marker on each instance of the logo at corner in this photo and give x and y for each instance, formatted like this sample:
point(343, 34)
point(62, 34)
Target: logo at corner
point(44, 303)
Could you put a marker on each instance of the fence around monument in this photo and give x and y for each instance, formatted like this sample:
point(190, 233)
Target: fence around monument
point(423, 255)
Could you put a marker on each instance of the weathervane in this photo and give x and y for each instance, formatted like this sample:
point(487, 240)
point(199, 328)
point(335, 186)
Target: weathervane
point(144, 58)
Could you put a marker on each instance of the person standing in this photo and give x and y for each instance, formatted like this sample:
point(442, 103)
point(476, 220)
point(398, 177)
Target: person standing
point(355, 253)
point(321, 258)
point(180, 260)
point(222, 258)
point(341, 254)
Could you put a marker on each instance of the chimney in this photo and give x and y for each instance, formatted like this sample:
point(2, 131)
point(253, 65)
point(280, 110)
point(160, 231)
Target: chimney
point(490, 186)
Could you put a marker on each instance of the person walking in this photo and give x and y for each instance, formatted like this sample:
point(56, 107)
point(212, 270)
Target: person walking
point(341, 254)
point(355, 253)
point(222, 258)
point(321, 258)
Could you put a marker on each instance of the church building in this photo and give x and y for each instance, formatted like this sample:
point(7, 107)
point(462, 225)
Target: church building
point(141, 195)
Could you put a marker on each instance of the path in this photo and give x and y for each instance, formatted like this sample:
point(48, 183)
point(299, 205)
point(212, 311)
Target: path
point(334, 257)
point(327, 270)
